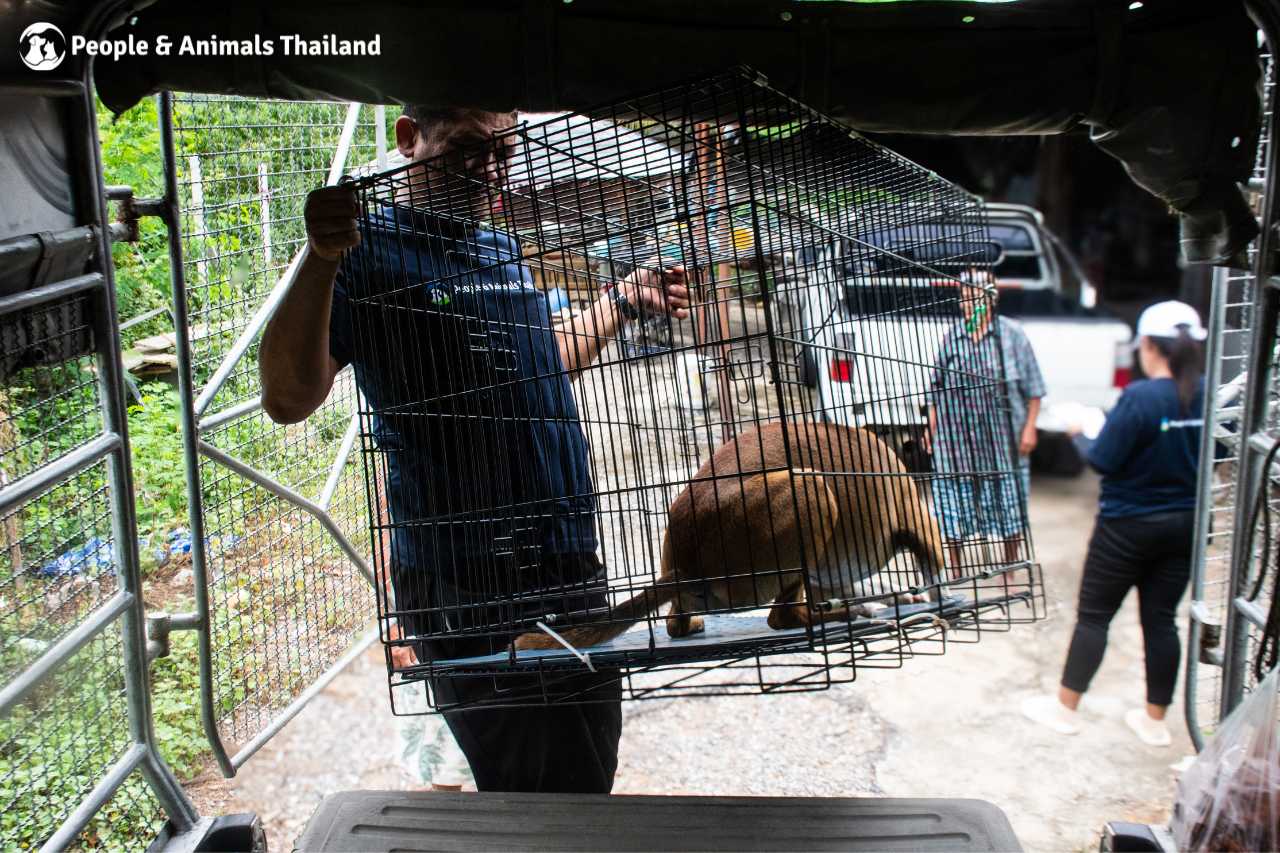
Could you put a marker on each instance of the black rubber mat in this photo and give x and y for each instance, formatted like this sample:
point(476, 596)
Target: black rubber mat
point(424, 820)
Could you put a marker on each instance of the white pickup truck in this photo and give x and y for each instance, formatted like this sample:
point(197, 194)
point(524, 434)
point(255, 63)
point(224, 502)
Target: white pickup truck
point(869, 370)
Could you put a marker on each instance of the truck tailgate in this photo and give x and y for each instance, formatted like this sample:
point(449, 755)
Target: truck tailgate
point(1077, 358)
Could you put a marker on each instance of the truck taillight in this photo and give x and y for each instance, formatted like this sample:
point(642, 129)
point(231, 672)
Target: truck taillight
point(1123, 371)
point(841, 370)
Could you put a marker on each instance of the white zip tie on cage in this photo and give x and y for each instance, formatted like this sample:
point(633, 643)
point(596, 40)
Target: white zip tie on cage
point(555, 635)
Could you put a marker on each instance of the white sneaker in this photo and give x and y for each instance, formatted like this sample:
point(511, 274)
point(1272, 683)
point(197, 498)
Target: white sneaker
point(1048, 711)
point(1149, 731)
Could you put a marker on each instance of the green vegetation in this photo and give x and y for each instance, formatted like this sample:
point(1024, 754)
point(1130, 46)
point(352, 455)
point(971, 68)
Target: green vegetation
point(131, 156)
point(56, 744)
point(56, 557)
point(159, 476)
point(54, 748)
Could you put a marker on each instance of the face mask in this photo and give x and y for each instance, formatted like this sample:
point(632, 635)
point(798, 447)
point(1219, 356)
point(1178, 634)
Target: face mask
point(972, 324)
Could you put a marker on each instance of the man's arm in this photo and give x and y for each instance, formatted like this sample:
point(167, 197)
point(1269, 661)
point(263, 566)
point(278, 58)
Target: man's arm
point(1033, 387)
point(1027, 441)
point(581, 340)
point(294, 361)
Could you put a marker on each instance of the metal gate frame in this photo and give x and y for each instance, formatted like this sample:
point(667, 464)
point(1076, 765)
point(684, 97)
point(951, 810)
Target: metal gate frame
point(124, 610)
point(1256, 433)
point(194, 405)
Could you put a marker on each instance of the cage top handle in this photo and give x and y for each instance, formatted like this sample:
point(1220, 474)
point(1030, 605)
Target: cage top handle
point(585, 657)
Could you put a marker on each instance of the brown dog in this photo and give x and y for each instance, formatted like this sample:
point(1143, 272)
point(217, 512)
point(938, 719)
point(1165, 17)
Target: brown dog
point(739, 533)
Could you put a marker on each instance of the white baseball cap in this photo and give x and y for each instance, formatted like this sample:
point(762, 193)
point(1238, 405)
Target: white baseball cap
point(1168, 320)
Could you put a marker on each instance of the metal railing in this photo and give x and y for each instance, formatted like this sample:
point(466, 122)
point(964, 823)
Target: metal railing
point(75, 709)
point(278, 541)
point(1242, 422)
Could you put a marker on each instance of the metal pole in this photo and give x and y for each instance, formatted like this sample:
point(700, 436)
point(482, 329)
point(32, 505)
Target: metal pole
point(1250, 476)
point(264, 212)
point(340, 461)
point(313, 689)
point(241, 346)
point(269, 305)
point(61, 469)
point(18, 687)
point(226, 416)
point(196, 178)
point(50, 292)
point(380, 135)
point(190, 433)
point(315, 511)
point(93, 204)
point(98, 797)
point(1204, 496)
point(339, 161)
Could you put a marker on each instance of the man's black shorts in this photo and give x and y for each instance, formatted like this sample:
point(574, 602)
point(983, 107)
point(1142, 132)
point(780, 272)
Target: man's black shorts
point(568, 745)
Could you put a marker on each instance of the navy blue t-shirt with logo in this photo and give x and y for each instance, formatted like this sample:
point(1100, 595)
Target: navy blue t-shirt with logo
point(486, 470)
point(1148, 451)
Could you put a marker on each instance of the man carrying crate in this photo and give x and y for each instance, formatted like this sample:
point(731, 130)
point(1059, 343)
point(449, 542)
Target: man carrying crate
point(559, 747)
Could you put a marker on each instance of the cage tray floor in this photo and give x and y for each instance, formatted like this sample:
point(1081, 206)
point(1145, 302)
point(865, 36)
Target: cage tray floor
point(427, 820)
point(722, 632)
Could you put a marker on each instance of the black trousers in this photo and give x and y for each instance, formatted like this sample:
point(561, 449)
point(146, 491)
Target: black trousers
point(568, 746)
point(1153, 554)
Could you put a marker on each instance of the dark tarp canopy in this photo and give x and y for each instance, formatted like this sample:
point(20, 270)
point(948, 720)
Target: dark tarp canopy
point(1170, 87)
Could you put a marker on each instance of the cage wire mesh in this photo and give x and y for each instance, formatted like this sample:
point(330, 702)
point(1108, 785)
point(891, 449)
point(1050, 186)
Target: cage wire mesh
point(1263, 570)
point(285, 602)
point(58, 568)
point(1211, 578)
point(58, 743)
point(1232, 326)
point(56, 558)
point(534, 511)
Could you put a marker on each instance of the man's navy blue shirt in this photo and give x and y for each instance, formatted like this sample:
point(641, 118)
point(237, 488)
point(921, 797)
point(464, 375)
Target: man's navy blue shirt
point(452, 346)
point(1148, 451)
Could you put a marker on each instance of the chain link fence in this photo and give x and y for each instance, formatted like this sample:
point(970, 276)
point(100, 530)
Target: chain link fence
point(285, 602)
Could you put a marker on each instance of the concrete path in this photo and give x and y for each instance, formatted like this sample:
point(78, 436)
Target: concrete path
point(942, 727)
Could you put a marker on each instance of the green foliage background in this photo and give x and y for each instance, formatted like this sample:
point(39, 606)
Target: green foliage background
point(55, 744)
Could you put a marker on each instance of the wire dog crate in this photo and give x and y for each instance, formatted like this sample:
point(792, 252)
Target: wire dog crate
point(683, 513)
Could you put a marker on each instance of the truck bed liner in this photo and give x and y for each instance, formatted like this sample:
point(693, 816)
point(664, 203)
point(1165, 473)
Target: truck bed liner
point(426, 820)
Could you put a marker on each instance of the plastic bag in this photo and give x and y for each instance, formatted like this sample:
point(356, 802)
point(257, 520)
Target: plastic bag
point(1229, 799)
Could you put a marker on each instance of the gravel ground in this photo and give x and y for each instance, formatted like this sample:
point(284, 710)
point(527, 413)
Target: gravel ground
point(942, 727)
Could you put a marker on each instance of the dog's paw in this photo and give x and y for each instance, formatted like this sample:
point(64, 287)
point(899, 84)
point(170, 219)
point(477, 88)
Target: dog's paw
point(684, 626)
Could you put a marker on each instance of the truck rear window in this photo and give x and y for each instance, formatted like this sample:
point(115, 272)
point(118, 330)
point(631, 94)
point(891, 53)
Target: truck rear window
point(1019, 266)
point(893, 299)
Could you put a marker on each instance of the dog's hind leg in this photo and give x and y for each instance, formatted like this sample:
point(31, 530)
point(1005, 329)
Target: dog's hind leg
point(681, 621)
point(789, 609)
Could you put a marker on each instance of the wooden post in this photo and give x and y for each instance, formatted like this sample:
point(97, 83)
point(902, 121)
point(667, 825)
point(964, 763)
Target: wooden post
point(11, 529)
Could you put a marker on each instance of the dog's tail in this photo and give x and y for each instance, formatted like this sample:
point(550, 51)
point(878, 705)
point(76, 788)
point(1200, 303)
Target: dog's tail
point(621, 617)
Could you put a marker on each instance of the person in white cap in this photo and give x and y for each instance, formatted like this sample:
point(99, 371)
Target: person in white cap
point(1147, 454)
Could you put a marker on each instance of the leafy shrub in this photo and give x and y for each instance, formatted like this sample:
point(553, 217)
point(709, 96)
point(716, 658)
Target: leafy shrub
point(159, 476)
